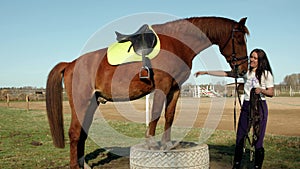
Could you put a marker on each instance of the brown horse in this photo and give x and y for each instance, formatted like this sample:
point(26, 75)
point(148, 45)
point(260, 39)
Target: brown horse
point(90, 79)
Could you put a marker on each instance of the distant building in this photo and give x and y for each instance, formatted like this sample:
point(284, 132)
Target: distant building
point(199, 91)
point(217, 90)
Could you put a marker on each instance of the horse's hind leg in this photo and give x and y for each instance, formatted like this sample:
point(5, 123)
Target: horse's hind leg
point(75, 134)
point(88, 119)
point(78, 132)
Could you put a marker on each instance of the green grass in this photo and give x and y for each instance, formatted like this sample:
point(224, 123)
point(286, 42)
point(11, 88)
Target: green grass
point(25, 142)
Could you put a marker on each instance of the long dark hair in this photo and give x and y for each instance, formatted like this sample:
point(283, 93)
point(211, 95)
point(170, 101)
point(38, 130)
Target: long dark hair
point(263, 64)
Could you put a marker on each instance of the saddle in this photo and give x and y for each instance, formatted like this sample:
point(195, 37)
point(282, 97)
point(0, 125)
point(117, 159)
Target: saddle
point(142, 41)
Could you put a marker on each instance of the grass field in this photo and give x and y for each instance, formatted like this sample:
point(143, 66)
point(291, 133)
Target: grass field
point(26, 143)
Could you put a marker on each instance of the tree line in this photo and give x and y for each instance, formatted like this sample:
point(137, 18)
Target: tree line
point(292, 80)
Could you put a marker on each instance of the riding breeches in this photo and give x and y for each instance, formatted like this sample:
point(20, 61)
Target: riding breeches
point(243, 123)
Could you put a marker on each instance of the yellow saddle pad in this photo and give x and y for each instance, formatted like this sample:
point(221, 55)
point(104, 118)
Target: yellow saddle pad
point(118, 53)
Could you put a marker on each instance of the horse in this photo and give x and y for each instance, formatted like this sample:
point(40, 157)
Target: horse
point(90, 80)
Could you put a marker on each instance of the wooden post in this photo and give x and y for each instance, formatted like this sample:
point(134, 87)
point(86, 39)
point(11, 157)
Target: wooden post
point(147, 110)
point(27, 102)
point(7, 99)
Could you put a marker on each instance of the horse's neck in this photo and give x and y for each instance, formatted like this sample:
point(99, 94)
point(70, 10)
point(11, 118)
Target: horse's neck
point(198, 33)
point(187, 33)
point(216, 29)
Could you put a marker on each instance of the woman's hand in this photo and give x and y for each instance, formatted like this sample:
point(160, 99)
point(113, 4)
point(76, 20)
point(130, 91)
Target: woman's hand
point(267, 92)
point(258, 90)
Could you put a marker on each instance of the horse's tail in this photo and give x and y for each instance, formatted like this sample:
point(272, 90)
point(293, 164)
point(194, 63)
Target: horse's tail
point(54, 104)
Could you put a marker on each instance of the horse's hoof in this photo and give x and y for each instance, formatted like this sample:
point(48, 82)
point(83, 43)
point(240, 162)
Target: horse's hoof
point(167, 145)
point(151, 144)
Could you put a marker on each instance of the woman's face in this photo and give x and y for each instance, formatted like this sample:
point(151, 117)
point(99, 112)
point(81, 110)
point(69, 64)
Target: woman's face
point(254, 60)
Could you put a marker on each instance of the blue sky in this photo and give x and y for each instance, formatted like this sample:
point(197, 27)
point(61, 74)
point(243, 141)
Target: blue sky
point(36, 35)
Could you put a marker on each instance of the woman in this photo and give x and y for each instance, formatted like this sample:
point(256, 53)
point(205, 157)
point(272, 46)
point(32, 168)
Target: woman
point(260, 77)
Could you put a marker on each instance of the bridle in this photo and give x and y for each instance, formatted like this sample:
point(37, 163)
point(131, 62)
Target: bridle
point(234, 62)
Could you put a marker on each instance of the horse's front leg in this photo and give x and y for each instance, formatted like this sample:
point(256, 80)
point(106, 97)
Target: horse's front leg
point(158, 102)
point(171, 102)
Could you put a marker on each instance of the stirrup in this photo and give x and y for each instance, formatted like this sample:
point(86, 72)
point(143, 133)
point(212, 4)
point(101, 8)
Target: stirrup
point(143, 75)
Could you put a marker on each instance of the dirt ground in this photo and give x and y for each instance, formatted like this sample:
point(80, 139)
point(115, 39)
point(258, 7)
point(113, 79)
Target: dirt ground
point(284, 112)
point(284, 115)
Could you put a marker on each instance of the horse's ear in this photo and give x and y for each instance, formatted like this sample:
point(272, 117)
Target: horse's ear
point(241, 25)
point(243, 21)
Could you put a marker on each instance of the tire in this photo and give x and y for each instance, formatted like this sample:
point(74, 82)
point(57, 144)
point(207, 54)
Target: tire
point(195, 157)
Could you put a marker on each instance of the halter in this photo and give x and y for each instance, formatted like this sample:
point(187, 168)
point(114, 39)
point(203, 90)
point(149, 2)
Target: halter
point(234, 62)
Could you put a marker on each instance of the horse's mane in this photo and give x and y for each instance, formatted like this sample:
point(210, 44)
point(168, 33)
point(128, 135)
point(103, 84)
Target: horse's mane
point(210, 26)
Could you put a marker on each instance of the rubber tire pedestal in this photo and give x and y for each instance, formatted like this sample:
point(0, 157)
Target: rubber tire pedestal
point(196, 157)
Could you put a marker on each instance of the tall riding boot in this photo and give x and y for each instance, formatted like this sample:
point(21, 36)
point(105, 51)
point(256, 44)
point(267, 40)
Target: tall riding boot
point(259, 158)
point(238, 155)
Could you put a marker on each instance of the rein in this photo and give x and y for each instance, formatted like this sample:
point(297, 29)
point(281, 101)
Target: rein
point(234, 61)
point(255, 116)
point(236, 95)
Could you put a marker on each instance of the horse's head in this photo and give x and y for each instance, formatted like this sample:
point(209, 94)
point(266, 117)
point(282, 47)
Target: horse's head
point(235, 49)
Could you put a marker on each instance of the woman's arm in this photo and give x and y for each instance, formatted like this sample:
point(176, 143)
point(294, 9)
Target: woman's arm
point(269, 91)
point(215, 73)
